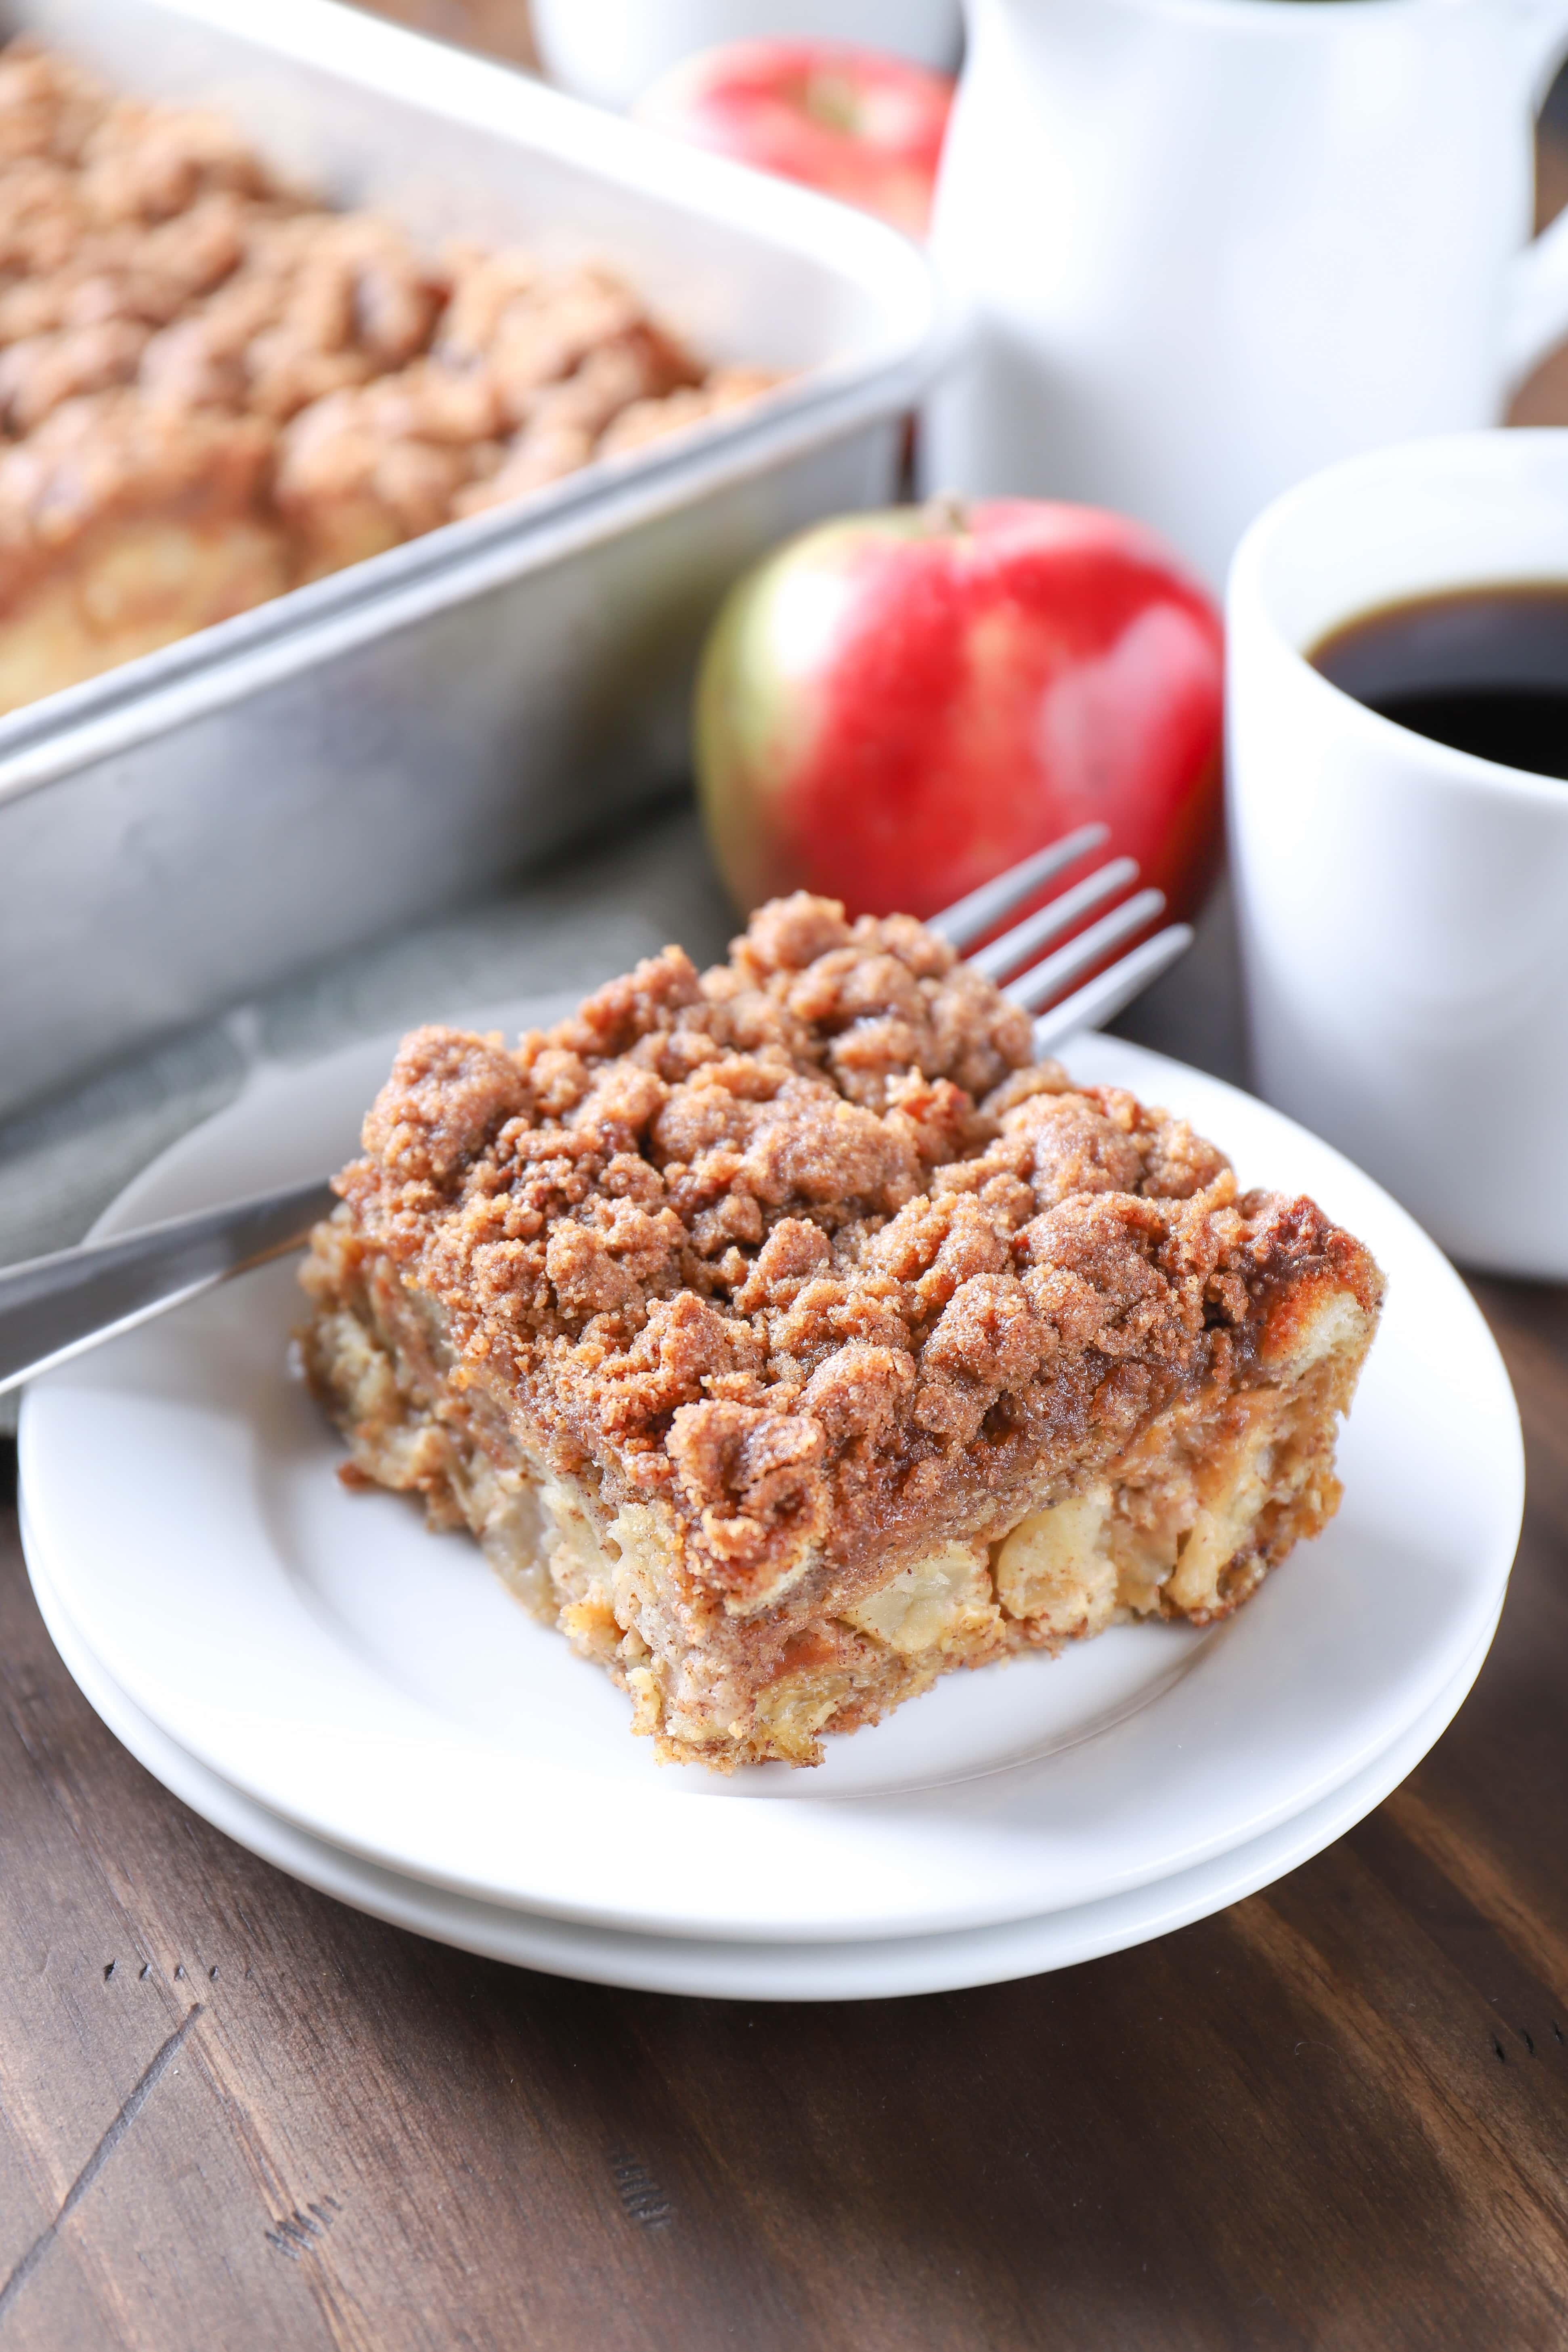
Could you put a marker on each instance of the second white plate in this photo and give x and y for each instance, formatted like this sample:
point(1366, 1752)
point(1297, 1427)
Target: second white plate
point(376, 1687)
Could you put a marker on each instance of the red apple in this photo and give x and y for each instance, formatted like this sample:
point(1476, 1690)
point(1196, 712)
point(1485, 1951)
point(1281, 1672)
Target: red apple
point(893, 708)
point(853, 123)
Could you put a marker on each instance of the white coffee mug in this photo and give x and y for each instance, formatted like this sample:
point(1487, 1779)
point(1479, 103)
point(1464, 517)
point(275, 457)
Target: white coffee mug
point(612, 50)
point(1209, 246)
point(1403, 907)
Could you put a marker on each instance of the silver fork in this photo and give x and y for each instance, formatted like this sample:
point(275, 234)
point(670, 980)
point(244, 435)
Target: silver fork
point(52, 1309)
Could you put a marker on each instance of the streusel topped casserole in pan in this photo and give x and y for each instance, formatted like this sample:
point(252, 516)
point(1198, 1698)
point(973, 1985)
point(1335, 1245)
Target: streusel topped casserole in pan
point(789, 1335)
point(212, 390)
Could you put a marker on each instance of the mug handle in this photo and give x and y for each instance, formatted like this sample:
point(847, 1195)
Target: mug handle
point(1536, 293)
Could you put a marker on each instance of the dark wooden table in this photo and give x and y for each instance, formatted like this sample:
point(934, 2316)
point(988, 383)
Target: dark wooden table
point(234, 2114)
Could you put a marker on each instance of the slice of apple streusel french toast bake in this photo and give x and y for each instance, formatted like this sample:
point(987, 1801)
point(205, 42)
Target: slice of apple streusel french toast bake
point(789, 1336)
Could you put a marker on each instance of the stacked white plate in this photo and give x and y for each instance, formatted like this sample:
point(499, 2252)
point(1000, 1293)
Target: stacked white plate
point(364, 1704)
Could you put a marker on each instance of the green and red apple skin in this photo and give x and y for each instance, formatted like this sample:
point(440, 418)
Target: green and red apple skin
point(896, 706)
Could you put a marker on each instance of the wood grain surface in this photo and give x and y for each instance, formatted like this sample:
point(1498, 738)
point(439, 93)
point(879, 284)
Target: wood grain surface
point(234, 2114)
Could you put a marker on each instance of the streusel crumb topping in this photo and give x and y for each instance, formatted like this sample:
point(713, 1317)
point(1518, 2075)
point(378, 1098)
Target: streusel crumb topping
point(795, 1243)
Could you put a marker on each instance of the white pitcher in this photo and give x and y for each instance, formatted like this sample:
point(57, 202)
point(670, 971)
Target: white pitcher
point(1210, 245)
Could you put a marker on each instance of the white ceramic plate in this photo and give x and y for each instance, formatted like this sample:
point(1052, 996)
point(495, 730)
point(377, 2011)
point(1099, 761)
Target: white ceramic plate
point(376, 1686)
point(865, 1970)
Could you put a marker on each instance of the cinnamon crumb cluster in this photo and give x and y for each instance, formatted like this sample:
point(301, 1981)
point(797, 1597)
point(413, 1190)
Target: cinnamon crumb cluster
point(808, 1248)
point(180, 333)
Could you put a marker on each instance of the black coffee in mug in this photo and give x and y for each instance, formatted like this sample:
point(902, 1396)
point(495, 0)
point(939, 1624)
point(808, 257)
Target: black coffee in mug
point(1484, 669)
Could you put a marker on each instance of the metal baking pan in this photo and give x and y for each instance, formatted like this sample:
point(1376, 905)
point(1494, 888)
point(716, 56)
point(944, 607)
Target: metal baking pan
point(188, 828)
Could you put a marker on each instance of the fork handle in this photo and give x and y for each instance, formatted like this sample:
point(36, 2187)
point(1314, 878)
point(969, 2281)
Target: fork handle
point(54, 1308)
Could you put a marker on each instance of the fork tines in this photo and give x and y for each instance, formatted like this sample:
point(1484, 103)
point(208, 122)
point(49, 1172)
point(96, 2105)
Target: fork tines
point(1035, 988)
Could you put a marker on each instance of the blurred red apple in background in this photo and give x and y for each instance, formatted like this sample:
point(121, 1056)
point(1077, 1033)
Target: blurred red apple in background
point(894, 707)
point(853, 123)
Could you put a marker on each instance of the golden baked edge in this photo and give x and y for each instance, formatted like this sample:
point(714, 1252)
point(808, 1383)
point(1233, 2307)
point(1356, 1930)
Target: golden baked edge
point(789, 1337)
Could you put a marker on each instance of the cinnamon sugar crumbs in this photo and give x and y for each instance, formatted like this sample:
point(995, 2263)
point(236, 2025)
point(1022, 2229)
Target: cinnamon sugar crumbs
point(810, 1247)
